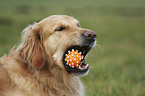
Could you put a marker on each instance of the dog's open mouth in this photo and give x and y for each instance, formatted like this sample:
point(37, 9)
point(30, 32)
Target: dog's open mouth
point(74, 59)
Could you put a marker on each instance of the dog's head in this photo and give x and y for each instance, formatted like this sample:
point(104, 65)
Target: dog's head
point(58, 41)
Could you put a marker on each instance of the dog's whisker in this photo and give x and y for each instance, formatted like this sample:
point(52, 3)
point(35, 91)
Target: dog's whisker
point(96, 48)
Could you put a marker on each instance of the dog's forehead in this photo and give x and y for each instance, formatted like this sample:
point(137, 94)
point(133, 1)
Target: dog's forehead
point(60, 19)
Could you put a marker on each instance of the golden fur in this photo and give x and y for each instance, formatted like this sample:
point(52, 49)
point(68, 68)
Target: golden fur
point(35, 67)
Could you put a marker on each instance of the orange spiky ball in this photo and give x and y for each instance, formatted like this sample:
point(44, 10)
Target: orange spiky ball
point(73, 58)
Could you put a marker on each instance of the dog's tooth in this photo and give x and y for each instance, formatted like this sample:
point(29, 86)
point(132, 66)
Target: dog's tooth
point(86, 65)
point(80, 67)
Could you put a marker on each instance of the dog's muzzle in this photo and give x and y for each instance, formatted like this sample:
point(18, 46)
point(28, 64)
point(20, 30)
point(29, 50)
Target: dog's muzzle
point(74, 56)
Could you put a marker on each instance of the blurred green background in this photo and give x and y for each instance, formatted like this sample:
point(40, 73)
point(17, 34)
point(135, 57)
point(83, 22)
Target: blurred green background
point(117, 63)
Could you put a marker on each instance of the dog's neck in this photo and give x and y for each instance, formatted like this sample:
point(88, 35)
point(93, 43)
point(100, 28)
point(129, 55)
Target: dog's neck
point(57, 79)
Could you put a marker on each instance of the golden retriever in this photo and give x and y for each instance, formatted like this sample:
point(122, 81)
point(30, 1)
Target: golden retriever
point(38, 66)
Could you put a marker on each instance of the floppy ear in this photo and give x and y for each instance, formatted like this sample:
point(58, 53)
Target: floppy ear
point(32, 50)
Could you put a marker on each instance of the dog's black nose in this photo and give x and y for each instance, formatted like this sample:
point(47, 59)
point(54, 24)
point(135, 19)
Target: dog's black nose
point(89, 35)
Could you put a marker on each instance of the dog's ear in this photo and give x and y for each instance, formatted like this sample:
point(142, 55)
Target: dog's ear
point(32, 50)
point(38, 59)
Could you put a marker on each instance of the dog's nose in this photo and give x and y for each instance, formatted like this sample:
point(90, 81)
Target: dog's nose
point(89, 35)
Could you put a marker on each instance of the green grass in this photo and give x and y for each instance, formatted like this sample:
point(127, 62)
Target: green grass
point(117, 63)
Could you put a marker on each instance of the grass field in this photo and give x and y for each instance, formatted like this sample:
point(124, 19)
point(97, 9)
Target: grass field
point(117, 63)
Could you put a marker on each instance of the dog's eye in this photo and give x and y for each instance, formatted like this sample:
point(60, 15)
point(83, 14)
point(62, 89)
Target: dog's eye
point(60, 28)
point(78, 25)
